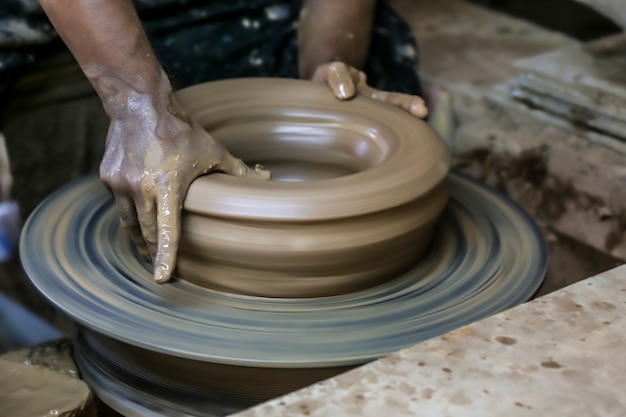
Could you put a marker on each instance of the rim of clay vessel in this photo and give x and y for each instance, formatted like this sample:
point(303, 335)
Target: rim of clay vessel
point(398, 157)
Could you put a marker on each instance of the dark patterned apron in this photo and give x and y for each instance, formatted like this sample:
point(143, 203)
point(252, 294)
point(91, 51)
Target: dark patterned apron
point(199, 40)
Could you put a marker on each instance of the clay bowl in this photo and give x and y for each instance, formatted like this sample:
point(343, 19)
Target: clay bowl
point(357, 187)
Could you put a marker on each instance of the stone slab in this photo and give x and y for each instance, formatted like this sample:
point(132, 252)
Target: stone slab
point(560, 355)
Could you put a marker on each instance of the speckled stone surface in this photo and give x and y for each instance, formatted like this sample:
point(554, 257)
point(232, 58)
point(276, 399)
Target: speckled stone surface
point(559, 355)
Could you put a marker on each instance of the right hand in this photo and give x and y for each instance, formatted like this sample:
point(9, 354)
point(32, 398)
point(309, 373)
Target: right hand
point(153, 153)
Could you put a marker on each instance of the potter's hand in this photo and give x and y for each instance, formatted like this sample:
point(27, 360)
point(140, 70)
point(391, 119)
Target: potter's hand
point(151, 158)
point(346, 81)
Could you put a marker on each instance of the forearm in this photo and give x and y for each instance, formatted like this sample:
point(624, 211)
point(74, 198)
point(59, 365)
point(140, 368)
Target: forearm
point(332, 30)
point(111, 47)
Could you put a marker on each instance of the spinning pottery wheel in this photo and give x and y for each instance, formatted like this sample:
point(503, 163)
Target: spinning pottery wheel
point(214, 340)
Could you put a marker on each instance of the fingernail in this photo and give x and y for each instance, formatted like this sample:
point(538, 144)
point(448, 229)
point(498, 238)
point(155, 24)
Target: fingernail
point(343, 93)
point(161, 274)
point(419, 110)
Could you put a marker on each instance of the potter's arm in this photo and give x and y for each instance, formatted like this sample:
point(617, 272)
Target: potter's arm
point(154, 150)
point(109, 43)
point(331, 30)
point(333, 40)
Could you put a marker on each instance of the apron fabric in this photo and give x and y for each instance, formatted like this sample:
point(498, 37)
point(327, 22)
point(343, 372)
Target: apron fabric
point(200, 40)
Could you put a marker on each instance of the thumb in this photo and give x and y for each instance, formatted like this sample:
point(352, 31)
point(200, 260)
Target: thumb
point(338, 76)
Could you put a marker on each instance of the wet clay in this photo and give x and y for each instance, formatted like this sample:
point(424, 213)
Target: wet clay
point(31, 390)
point(356, 189)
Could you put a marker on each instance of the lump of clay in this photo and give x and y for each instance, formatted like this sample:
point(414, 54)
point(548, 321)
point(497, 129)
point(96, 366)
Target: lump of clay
point(42, 381)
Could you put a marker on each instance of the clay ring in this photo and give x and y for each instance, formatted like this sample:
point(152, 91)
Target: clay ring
point(357, 187)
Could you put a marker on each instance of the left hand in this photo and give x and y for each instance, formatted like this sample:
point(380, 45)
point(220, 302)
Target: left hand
point(346, 81)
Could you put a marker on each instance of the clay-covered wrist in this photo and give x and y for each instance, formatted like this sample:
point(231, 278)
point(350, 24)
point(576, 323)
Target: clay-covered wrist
point(139, 96)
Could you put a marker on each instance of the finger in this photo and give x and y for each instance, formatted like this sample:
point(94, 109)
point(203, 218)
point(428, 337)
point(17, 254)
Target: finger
point(413, 104)
point(168, 214)
point(234, 166)
point(128, 219)
point(146, 214)
point(339, 78)
point(418, 108)
point(223, 161)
